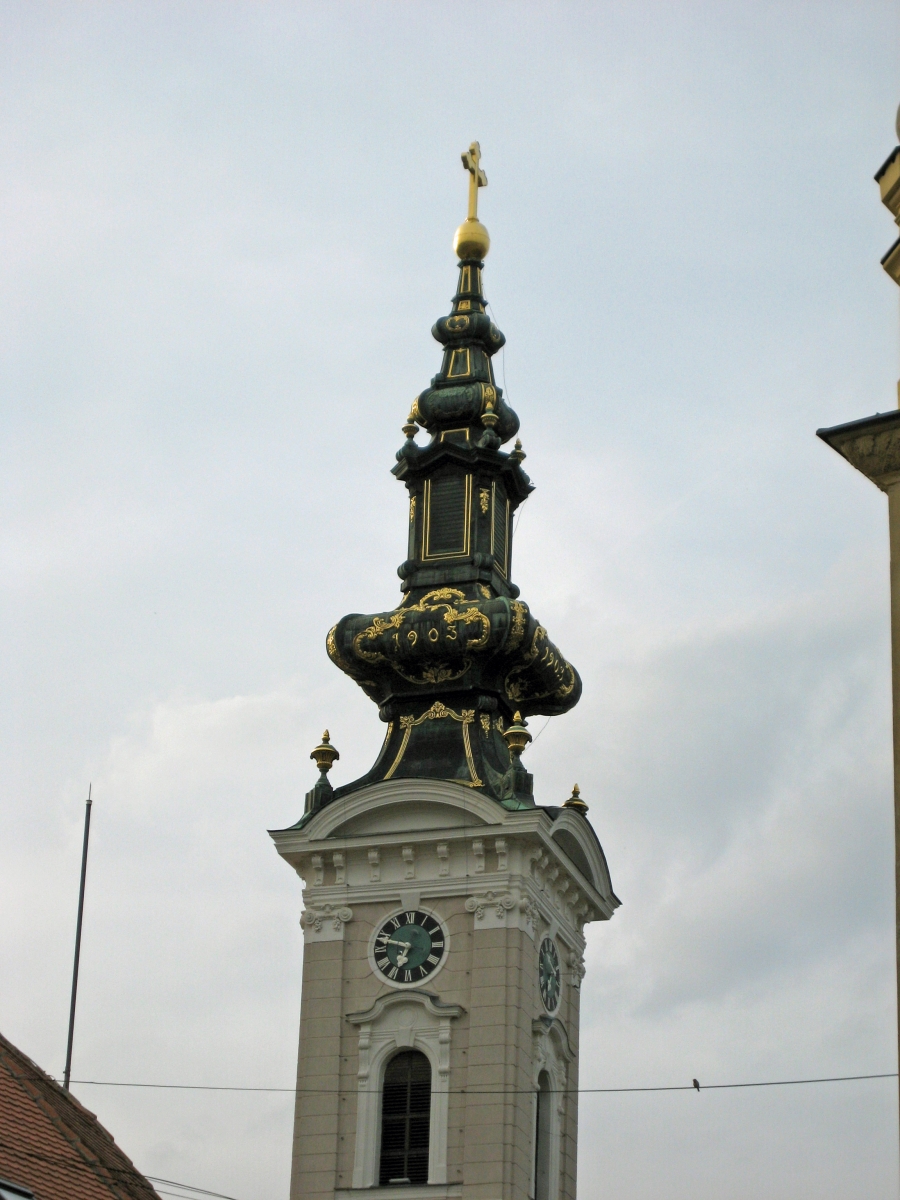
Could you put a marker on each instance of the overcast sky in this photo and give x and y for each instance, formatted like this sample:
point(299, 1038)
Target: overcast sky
point(226, 232)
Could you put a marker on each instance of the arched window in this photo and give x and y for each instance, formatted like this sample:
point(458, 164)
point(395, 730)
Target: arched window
point(542, 1139)
point(405, 1119)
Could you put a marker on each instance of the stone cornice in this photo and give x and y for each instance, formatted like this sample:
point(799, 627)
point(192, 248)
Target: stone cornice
point(533, 869)
point(871, 445)
point(437, 813)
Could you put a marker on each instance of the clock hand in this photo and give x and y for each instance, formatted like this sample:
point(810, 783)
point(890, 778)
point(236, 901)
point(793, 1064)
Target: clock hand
point(405, 947)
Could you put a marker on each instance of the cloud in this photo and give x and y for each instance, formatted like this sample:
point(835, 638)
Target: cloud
point(228, 232)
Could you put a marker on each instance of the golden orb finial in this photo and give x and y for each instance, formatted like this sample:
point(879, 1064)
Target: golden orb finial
point(516, 736)
point(410, 428)
point(472, 239)
point(575, 801)
point(325, 754)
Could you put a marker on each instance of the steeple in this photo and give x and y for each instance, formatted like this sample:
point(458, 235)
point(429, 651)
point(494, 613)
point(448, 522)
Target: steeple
point(462, 659)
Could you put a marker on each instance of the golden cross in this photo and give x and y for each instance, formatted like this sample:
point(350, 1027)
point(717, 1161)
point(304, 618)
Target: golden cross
point(471, 160)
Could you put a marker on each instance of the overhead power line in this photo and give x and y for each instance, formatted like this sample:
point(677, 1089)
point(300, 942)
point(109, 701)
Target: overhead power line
point(682, 1087)
point(185, 1187)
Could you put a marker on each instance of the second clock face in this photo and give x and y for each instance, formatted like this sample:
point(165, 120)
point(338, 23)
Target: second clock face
point(409, 947)
point(549, 975)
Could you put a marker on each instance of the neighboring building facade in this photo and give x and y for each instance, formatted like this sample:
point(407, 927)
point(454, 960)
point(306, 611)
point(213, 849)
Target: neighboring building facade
point(51, 1148)
point(872, 445)
point(444, 909)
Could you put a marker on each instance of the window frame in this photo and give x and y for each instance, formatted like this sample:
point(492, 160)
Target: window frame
point(407, 1118)
point(403, 1020)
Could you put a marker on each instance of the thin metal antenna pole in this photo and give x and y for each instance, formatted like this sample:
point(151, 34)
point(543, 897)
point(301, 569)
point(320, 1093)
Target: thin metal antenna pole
point(67, 1074)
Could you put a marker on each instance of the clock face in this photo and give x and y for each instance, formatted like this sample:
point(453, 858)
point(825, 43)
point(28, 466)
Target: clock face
point(549, 975)
point(408, 948)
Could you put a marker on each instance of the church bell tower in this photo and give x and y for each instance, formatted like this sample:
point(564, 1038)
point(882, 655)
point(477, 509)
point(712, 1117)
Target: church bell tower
point(444, 908)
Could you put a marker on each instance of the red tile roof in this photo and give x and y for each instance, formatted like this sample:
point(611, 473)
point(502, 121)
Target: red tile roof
point(53, 1145)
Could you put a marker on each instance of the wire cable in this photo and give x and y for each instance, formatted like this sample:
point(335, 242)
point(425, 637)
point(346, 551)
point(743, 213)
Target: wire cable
point(682, 1087)
point(187, 1188)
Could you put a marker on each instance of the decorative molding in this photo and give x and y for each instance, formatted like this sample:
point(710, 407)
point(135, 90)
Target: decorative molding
point(325, 924)
point(443, 853)
point(408, 854)
point(518, 855)
point(872, 444)
point(402, 1020)
point(479, 809)
point(577, 969)
point(488, 905)
point(874, 454)
point(545, 1027)
point(433, 1005)
point(478, 854)
point(441, 798)
point(374, 858)
point(338, 861)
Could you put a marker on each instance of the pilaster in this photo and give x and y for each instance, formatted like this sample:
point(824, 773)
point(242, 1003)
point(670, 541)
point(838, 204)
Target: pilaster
point(316, 1119)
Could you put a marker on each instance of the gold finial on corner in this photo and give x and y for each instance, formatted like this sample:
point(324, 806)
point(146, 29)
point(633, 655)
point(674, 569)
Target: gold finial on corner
point(410, 428)
point(472, 239)
point(575, 801)
point(489, 418)
point(325, 753)
point(517, 736)
point(517, 454)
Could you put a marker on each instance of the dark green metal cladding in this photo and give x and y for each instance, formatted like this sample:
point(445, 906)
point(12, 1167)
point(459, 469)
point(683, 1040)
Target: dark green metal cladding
point(462, 654)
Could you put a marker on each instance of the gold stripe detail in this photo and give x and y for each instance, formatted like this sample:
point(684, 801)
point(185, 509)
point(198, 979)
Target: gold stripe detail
point(407, 724)
point(476, 782)
point(438, 712)
point(460, 364)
